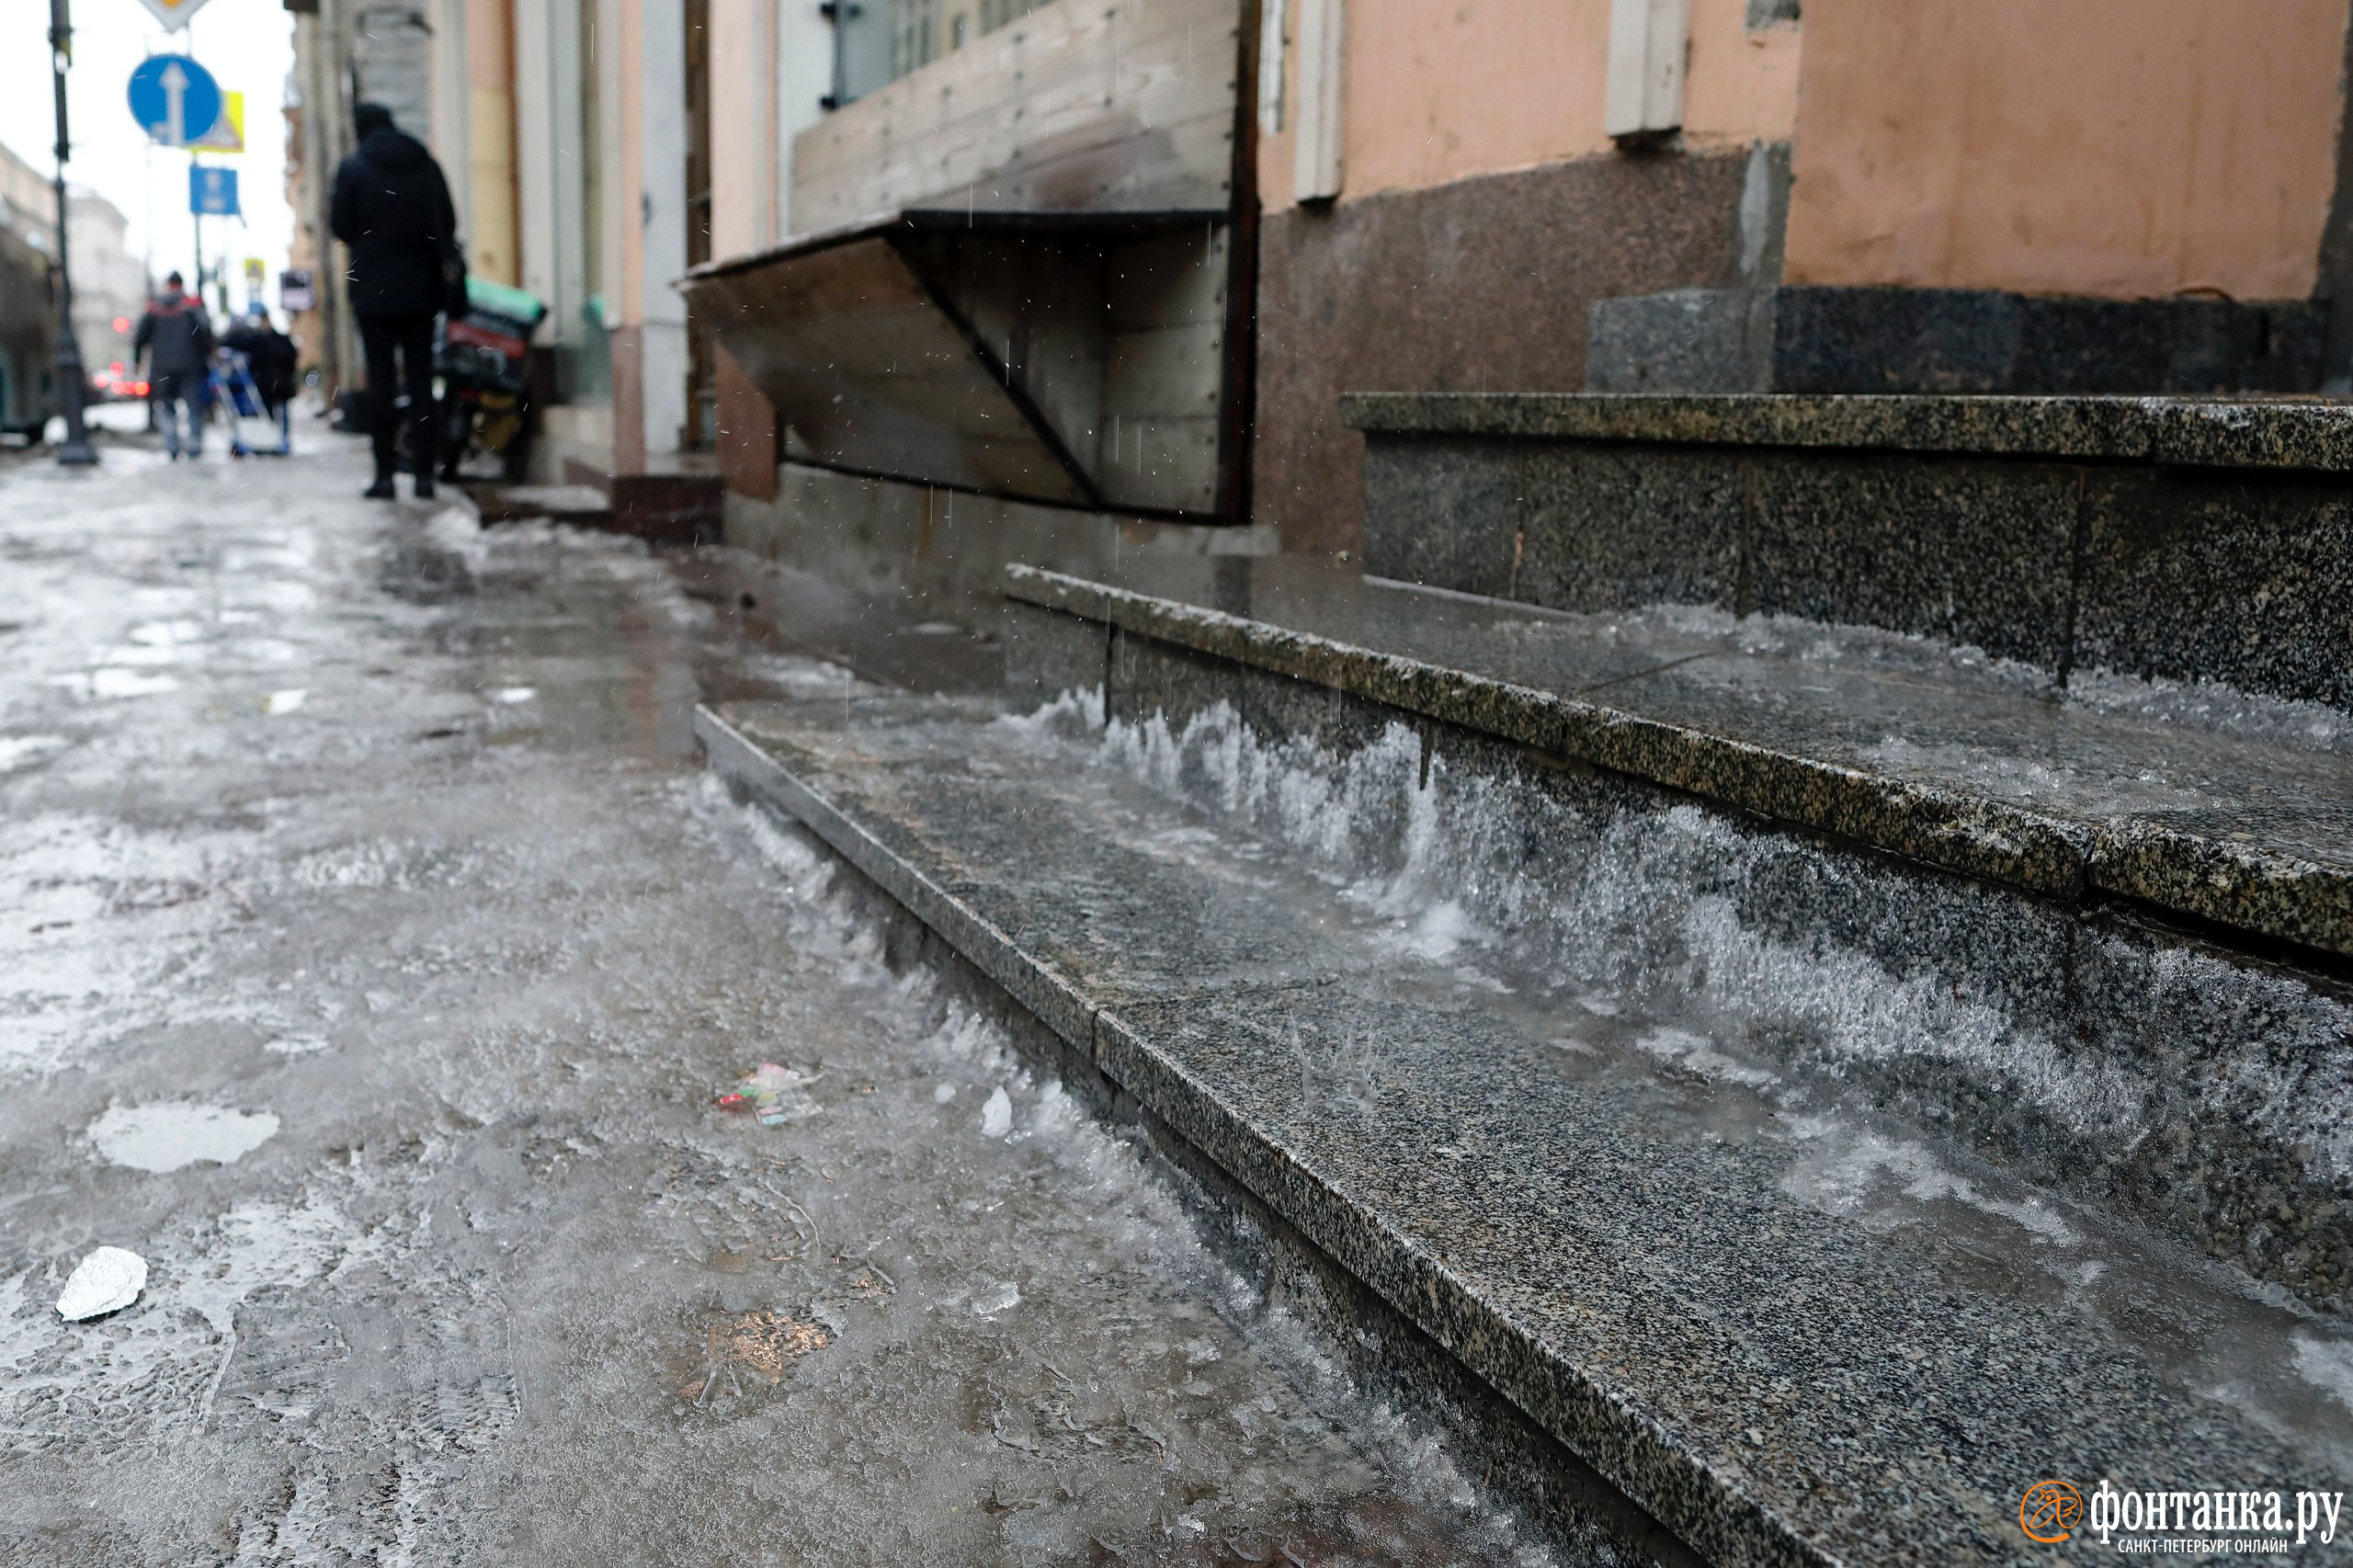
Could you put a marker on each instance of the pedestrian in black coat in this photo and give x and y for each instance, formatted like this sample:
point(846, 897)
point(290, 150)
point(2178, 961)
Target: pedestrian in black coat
point(391, 208)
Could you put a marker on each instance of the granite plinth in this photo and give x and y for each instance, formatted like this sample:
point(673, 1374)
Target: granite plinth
point(2157, 538)
point(1964, 769)
point(1626, 1228)
point(1816, 339)
point(1683, 340)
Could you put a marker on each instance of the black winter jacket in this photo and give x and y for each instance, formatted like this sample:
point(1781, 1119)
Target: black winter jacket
point(177, 335)
point(392, 207)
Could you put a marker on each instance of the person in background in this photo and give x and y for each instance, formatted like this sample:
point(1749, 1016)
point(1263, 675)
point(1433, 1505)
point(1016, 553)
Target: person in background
point(392, 207)
point(177, 336)
point(270, 359)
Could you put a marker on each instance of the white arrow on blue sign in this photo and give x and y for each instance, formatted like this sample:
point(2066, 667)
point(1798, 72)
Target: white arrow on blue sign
point(173, 99)
point(212, 191)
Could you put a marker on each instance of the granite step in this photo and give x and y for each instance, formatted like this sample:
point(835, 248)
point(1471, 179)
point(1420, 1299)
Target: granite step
point(2051, 930)
point(2225, 810)
point(1792, 1324)
point(2175, 539)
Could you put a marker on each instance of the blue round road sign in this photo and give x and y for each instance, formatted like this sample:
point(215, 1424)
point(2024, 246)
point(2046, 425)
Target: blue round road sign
point(173, 99)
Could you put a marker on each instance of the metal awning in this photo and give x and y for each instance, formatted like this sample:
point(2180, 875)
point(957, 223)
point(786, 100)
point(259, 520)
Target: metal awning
point(1069, 357)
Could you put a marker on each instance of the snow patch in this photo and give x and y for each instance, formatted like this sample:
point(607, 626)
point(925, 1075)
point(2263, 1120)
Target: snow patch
point(19, 751)
point(172, 1134)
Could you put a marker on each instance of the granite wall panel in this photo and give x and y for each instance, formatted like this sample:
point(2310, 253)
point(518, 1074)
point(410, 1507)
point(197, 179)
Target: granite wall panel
point(1483, 284)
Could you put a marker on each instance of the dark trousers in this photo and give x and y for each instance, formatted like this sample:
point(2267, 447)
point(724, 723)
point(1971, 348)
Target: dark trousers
point(413, 337)
point(170, 391)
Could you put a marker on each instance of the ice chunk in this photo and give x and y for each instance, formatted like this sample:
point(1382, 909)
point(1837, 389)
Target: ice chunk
point(997, 1116)
point(129, 683)
point(106, 1282)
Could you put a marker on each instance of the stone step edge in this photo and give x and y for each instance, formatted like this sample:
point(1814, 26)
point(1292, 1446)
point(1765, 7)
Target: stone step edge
point(1704, 1506)
point(2183, 432)
point(2242, 887)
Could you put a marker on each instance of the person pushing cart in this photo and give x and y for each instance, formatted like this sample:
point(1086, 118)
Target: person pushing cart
point(270, 365)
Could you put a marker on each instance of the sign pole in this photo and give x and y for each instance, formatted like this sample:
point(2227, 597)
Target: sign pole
point(196, 221)
point(77, 452)
point(189, 134)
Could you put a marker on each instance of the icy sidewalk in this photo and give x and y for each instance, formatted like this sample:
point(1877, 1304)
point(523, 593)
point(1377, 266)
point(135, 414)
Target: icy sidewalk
point(381, 843)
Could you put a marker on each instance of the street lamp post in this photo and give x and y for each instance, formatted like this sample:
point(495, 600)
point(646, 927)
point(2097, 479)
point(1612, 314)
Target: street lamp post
point(77, 450)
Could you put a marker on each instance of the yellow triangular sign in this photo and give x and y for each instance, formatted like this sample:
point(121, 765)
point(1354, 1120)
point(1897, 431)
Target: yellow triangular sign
point(228, 132)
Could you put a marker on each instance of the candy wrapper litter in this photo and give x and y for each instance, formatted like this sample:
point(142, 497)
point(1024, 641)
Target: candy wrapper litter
point(106, 1282)
point(776, 1094)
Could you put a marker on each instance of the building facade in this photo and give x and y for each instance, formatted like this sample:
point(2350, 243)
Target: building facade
point(1293, 199)
point(28, 296)
point(1935, 195)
